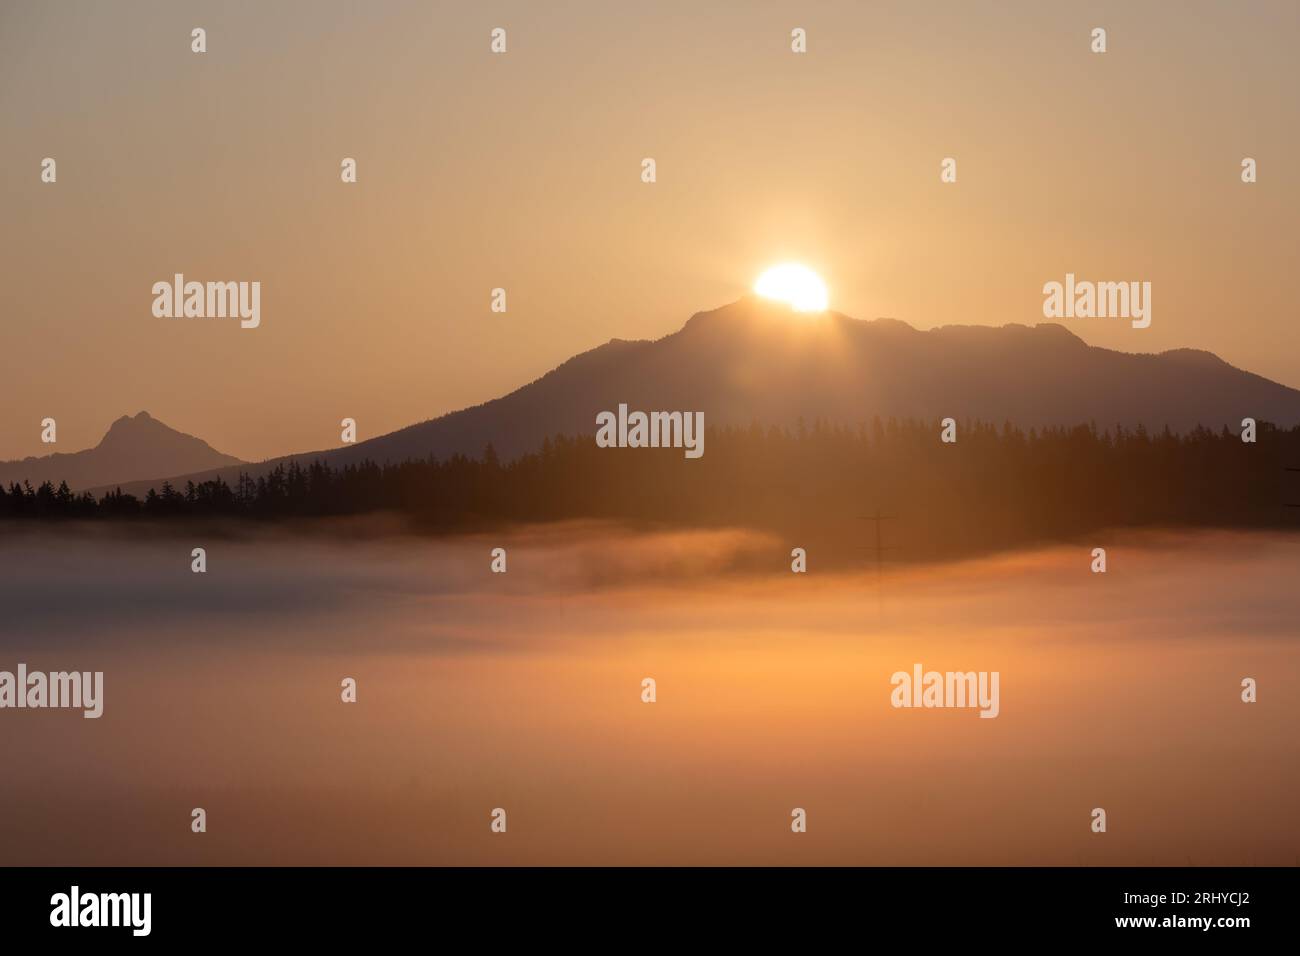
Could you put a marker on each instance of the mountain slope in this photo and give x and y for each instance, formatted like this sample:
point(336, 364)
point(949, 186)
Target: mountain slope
point(133, 449)
point(756, 361)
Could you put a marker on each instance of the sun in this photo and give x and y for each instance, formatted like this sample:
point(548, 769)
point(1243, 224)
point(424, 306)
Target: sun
point(794, 284)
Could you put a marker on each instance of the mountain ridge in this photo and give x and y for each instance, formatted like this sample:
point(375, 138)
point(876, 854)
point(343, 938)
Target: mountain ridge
point(758, 361)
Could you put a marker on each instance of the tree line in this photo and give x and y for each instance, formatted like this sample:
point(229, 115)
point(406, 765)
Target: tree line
point(994, 487)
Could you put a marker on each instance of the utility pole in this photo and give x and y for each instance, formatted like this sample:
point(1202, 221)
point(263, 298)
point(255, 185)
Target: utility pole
point(880, 555)
point(1287, 504)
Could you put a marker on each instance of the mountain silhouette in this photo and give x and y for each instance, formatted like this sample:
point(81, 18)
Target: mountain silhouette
point(133, 449)
point(758, 361)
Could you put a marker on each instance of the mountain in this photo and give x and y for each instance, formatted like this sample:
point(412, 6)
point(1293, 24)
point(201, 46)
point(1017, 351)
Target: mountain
point(133, 449)
point(758, 361)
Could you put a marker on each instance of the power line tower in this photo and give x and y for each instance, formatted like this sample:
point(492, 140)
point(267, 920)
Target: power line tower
point(880, 550)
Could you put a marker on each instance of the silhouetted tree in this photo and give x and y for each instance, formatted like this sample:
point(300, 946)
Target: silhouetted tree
point(997, 487)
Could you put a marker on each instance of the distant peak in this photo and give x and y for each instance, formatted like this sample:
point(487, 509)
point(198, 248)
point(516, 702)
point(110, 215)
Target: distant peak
point(127, 421)
point(138, 430)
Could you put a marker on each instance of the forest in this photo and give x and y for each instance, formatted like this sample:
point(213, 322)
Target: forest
point(995, 487)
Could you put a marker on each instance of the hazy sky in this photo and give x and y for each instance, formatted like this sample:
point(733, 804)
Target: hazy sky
point(522, 171)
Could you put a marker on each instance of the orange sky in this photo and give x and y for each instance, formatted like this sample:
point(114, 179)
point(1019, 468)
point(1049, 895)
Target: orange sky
point(522, 171)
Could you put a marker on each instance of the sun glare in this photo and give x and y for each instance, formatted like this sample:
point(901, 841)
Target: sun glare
point(797, 285)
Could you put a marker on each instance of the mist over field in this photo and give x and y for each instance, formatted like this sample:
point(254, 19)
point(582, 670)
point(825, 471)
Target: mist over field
point(522, 690)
